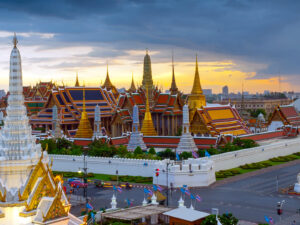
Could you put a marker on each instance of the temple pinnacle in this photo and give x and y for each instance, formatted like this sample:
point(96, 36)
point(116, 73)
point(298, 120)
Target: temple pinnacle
point(15, 40)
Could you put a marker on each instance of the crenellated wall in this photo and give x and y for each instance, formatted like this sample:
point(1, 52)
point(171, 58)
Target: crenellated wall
point(237, 158)
point(193, 172)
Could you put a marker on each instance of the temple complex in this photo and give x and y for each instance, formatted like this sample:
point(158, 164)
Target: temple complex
point(29, 192)
point(116, 109)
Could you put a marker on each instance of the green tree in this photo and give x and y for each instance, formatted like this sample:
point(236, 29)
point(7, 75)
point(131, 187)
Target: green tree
point(52, 149)
point(122, 151)
point(138, 151)
point(255, 112)
point(186, 155)
point(63, 143)
point(167, 154)
point(152, 151)
point(210, 220)
point(228, 219)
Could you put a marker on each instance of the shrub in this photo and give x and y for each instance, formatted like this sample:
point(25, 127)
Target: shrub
point(152, 151)
point(138, 151)
point(186, 155)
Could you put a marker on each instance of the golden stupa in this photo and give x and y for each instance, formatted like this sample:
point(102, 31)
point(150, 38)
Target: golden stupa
point(148, 127)
point(84, 129)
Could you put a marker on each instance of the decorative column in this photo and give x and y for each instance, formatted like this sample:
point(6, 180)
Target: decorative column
point(113, 202)
point(136, 138)
point(186, 143)
point(97, 123)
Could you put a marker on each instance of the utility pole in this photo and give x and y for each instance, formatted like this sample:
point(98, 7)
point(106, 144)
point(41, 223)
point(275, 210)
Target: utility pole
point(167, 183)
point(85, 179)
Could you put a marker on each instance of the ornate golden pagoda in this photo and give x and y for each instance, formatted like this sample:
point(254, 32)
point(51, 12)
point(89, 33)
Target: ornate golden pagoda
point(148, 127)
point(77, 81)
point(84, 129)
point(197, 98)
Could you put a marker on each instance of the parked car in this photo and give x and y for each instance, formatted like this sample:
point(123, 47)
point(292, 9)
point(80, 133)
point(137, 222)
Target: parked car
point(73, 179)
point(78, 184)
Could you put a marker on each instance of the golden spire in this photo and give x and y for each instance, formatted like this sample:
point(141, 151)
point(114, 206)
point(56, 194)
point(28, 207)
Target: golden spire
point(77, 81)
point(196, 85)
point(132, 86)
point(108, 85)
point(147, 127)
point(84, 129)
point(197, 98)
point(15, 40)
point(173, 88)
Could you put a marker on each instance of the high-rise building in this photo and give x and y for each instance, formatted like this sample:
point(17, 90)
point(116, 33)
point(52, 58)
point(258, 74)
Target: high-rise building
point(225, 91)
point(207, 92)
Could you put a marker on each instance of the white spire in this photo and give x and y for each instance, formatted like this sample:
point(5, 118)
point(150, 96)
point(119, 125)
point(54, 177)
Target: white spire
point(16, 140)
point(97, 122)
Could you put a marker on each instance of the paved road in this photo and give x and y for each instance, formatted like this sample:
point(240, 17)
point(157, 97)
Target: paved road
point(250, 198)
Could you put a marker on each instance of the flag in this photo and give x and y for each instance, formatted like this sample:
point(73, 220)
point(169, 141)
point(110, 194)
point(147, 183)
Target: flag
point(267, 219)
point(159, 188)
point(146, 191)
point(93, 216)
point(207, 154)
point(177, 157)
point(119, 189)
point(192, 196)
point(187, 192)
point(271, 220)
point(198, 198)
point(89, 206)
point(182, 190)
point(114, 188)
point(150, 192)
point(154, 187)
point(129, 203)
point(195, 155)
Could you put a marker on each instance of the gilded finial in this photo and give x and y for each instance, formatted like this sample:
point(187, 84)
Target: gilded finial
point(146, 51)
point(15, 40)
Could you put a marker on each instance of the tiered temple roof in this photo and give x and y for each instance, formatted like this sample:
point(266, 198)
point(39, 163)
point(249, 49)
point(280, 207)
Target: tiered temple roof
point(69, 101)
point(219, 120)
point(287, 114)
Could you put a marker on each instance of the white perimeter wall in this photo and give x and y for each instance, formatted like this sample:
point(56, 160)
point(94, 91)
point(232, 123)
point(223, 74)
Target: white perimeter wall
point(146, 168)
point(103, 165)
point(234, 159)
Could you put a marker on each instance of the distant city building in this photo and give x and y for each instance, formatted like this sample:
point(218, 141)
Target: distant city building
point(266, 92)
point(2, 93)
point(225, 91)
point(207, 92)
point(252, 104)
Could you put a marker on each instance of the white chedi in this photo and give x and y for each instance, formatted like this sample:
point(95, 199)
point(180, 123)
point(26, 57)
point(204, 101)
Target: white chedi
point(18, 148)
point(136, 138)
point(186, 143)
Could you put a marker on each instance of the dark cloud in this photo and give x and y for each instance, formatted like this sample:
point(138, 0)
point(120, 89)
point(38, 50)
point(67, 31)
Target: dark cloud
point(257, 32)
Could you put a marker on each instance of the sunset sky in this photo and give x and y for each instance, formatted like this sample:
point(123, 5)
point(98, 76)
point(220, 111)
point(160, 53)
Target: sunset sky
point(250, 42)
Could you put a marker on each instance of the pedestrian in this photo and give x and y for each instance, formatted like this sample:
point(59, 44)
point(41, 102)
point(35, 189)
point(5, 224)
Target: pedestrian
point(71, 191)
point(294, 222)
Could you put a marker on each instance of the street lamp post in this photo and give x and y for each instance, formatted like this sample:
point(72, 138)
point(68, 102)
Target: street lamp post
point(167, 183)
point(117, 173)
point(85, 178)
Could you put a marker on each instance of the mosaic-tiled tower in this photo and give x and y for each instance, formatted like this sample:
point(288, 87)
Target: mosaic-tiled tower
point(18, 148)
point(186, 143)
point(136, 138)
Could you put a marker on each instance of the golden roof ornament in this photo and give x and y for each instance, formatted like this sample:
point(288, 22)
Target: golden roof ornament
point(84, 129)
point(148, 127)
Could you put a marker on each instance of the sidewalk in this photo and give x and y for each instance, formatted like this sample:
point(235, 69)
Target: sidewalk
point(289, 220)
